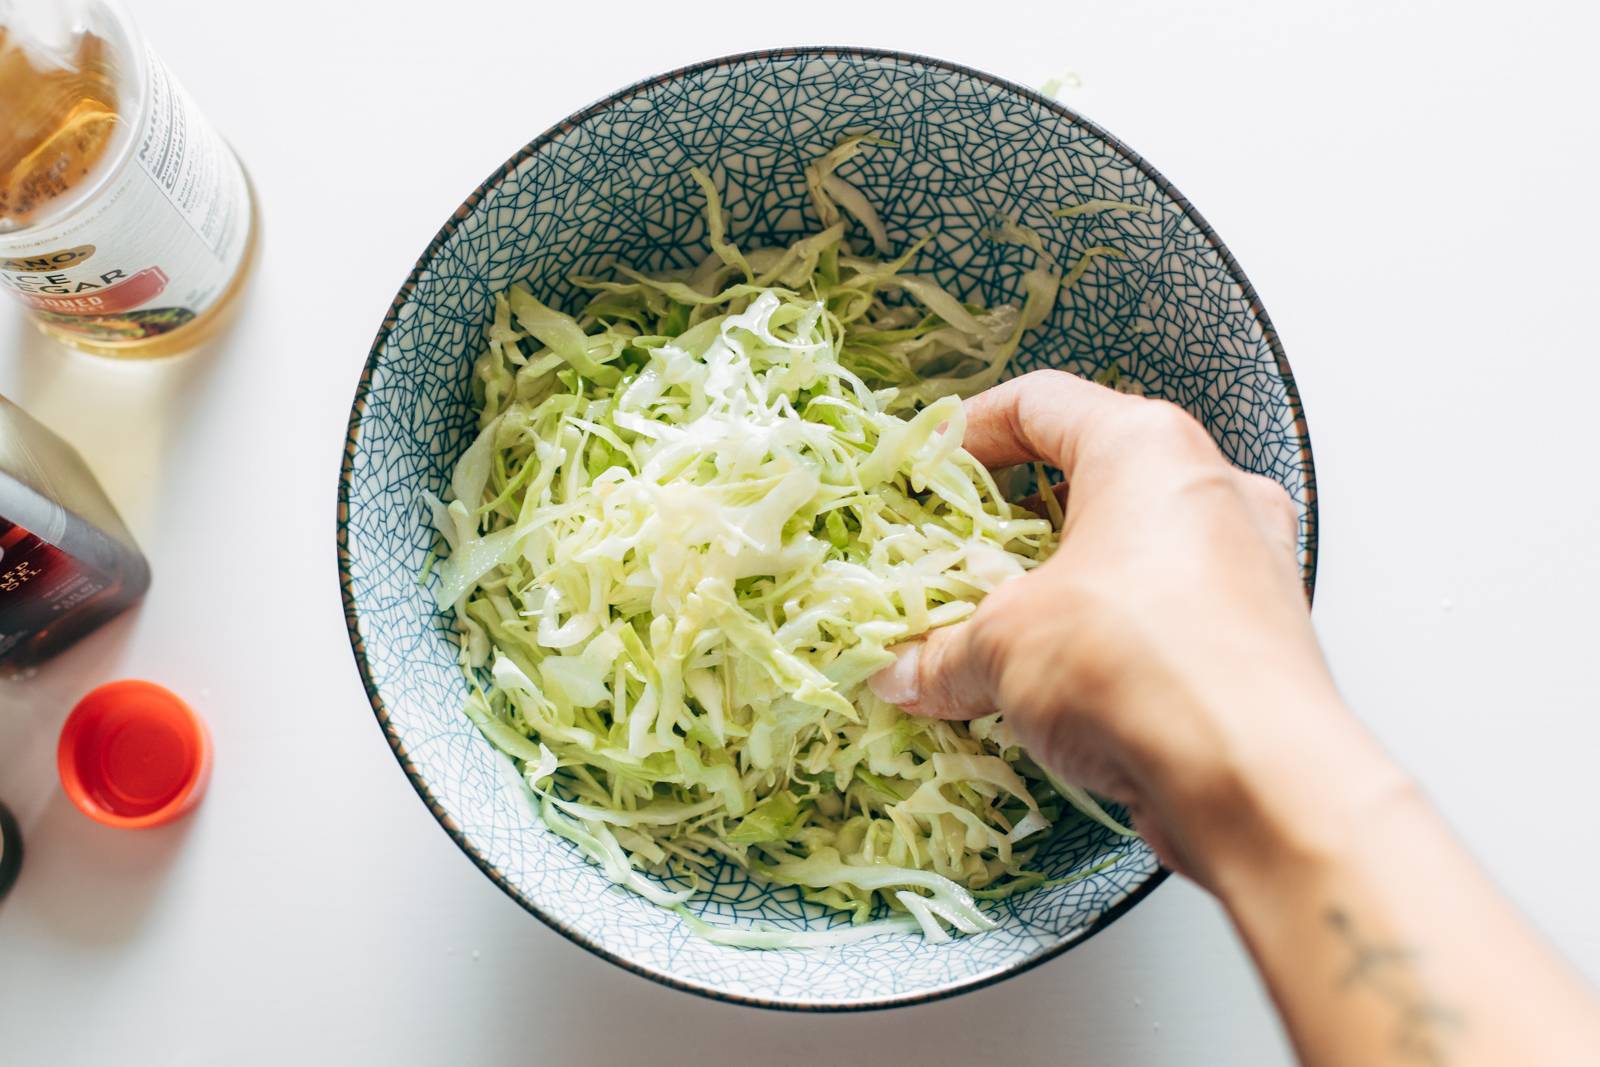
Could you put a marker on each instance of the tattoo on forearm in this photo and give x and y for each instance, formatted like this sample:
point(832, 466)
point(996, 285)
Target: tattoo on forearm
point(1423, 1027)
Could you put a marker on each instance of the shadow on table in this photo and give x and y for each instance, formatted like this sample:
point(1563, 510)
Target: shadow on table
point(33, 706)
point(122, 416)
point(1095, 1005)
point(101, 880)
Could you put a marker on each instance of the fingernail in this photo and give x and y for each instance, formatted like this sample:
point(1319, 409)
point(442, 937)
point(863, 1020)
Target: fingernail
point(897, 683)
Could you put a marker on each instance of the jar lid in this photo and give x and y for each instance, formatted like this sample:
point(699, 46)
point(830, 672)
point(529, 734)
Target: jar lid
point(133, 755)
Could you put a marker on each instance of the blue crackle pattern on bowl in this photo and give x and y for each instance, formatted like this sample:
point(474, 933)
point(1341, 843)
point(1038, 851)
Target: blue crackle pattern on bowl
point(610, 186)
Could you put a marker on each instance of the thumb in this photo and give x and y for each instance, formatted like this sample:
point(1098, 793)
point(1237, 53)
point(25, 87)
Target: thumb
point(952, 673)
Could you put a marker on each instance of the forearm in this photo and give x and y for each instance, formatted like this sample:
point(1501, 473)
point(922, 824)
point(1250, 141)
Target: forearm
point(1163, 657)
point(1381, 940)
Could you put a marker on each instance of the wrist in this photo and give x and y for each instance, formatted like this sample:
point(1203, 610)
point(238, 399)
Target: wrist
point(1291, 795)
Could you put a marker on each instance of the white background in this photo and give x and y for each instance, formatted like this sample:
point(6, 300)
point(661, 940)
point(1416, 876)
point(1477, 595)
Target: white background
point(1411, 186)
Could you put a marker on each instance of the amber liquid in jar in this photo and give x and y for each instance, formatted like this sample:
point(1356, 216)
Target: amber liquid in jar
point(55, 127)
point(142, 220)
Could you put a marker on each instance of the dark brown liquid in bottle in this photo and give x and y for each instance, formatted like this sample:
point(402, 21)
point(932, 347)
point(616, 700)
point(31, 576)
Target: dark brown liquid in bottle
point(67, 563)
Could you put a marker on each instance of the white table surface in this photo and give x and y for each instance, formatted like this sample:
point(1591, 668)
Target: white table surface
point(1409, 185)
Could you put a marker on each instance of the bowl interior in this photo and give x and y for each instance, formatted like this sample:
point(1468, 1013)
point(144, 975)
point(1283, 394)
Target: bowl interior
point(610, 185)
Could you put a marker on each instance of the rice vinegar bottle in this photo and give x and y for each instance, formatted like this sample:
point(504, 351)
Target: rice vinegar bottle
point(67, 563)
point(126, 222)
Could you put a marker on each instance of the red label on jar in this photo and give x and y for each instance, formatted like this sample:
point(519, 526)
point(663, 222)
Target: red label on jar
point(86, 299)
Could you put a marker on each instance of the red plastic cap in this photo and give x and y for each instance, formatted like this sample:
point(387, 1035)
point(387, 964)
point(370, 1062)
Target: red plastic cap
point(133, 755)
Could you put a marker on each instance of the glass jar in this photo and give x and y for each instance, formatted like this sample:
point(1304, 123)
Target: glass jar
point(126, 222)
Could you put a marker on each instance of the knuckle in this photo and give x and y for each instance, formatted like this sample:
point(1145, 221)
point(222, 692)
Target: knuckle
point(1039, 396)
point(1046, 379)
point(1288, 513)
point(1270, 491)
point(1045, 376)
point(1273, 499)
point(1037, 392)
point(1165, 423)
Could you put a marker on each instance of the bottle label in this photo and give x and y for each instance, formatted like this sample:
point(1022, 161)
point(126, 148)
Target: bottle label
point(39, 584)
point(154, 249)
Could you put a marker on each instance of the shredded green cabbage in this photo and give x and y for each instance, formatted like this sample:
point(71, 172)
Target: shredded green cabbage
point(693, 522)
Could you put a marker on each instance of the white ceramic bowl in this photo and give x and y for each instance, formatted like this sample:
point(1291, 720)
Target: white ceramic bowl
point(610, 184)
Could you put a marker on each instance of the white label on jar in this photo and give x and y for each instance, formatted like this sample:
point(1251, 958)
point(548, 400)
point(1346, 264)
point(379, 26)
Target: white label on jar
point(153, 250)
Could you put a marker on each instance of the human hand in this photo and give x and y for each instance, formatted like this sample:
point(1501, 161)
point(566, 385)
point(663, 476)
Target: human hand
point(1163, 656)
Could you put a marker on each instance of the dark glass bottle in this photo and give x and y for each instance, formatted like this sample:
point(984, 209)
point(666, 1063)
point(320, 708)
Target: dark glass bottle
point(67, 563)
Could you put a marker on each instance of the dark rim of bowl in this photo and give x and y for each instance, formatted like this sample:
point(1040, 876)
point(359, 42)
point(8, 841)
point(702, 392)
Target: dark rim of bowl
point(358, 409)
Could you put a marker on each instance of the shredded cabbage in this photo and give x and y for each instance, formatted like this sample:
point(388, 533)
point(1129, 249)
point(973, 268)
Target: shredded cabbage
point(693, 522)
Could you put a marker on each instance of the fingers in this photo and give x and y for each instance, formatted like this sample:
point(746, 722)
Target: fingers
point(953, 673)
point(1075, 424)
point(1037, 416)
